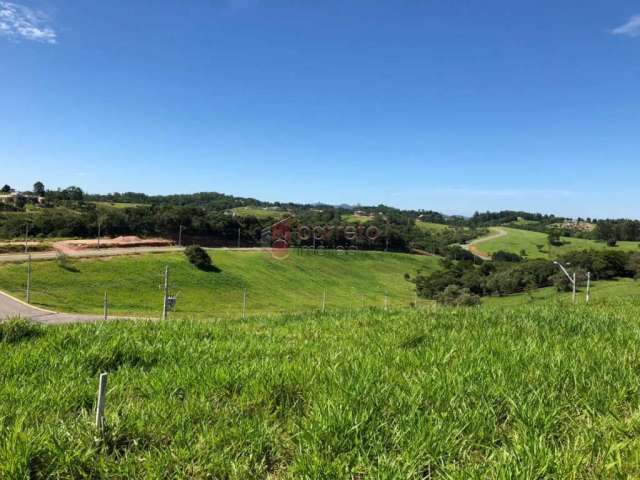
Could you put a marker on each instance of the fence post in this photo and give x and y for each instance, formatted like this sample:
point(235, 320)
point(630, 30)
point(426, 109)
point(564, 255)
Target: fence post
point(244, 303)
point(588, 286)
point(102, 395)
point(105, 306)
point(324, 299)
point(29, 280)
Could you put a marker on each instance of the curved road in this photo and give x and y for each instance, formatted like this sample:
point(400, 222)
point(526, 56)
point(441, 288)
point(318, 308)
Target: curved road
point(12, 307)
point(472, 247)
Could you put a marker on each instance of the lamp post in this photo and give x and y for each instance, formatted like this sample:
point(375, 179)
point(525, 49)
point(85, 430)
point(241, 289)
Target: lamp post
point(572, 278)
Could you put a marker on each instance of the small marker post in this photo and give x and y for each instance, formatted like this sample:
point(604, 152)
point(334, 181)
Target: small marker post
point(29, 280)
point(102, 395)
point(324, 299)
point(244, 303)
point(105, 305)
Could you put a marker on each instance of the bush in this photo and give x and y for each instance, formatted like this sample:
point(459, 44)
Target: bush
point(457, 296)
point(17, 329)
point(198, 257)
point(502, 256)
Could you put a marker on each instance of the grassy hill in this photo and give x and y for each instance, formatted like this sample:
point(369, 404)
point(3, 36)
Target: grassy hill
point(535, 244)
point(294, 284)
point(431, 227)
point(535, 392)
point(601, 292)
point(258, 212)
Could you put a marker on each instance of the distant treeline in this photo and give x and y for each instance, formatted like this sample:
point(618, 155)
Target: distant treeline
point(505, 278)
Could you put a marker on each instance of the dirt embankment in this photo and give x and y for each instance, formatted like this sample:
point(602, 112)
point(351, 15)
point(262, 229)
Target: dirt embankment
point(73, 246)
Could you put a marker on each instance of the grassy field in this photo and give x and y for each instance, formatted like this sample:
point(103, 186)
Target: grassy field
point(603, 291)
point(294, 284)
point(535, 392)
point(431, 227)
point(119, 205)
point(351, 218)
point(258, 212)
point(518, 240)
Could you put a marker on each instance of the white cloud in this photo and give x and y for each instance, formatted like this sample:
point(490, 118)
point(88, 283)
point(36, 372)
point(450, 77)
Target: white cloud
point(630, 29)
point(20, 22)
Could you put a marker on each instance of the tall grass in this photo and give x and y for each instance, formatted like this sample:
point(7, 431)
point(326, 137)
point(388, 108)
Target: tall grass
point(539, 392)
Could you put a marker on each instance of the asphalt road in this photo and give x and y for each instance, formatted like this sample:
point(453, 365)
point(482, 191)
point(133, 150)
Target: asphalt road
point(10, 307)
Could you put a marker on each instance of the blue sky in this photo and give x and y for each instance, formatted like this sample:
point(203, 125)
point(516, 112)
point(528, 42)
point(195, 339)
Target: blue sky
point(455, 106)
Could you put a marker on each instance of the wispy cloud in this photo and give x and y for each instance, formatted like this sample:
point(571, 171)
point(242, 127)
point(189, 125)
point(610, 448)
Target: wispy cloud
point(20, 22)
point(630, 29)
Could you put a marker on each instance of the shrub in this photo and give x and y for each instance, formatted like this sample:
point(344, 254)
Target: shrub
point(198, 257)
point(612, 242)
point(17, 329)
point(457, 296)
point(502, 256)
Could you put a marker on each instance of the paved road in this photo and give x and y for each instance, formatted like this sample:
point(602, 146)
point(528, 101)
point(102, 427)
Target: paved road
point(473, 246)
point(105, 252)
point(10, 307)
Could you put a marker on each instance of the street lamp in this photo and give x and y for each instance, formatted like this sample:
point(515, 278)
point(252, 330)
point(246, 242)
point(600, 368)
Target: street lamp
point(572, 279)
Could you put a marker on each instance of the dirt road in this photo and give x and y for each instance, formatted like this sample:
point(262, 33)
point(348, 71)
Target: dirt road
point(89, 253)
point(473, 246)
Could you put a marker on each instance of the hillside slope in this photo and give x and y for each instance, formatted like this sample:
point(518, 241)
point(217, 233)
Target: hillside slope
point(295, 284)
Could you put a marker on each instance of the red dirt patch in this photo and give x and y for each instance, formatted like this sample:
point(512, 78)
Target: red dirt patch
point(70, 246)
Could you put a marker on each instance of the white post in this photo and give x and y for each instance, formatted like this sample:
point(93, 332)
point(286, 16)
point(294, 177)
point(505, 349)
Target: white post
point(102, 394)
point(588, 286)
point(324, 299)
point(105, 306)
point(99, 227)
point(165, 296)
point(244, 303)
point(238, 238)
point(574, 287)
point(26, 239)
point(180, 237)
point(29, 280)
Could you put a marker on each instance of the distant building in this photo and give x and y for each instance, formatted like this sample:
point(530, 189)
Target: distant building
point(18, 198)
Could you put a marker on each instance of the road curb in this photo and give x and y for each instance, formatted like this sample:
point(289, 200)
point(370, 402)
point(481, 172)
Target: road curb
point(11, 297)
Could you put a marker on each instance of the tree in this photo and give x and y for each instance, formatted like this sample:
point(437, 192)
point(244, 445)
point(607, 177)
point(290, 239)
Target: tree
point(38, 189)
point(5, 189)
point(198, 257)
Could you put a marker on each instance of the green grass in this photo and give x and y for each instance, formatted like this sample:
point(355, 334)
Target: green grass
point(431, 227)
point(535, 392)
point(351, 218)
point(602, 291)
point(119, 205)
point(259, 213)
point(518, 240)
point(294, 284)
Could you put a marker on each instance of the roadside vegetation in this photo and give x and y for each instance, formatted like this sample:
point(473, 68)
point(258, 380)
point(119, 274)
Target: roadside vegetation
point(540, 391)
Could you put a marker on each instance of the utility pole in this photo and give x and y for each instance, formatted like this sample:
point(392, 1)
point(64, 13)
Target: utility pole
point(574, 287)
point(26, 239)
point(180, 236)
point(105, 306)
point(588, 286)
point(29, 280)
point(165, 296)
point(238, 237)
